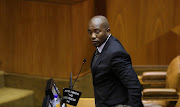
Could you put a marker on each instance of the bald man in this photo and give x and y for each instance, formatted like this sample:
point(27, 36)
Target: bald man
point(114, 79)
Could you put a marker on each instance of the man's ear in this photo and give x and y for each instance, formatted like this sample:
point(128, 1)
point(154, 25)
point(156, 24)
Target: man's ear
point(108, 30)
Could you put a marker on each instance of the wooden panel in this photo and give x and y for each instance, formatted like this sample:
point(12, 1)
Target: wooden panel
point(4, 37)
point(69, 2)
point(37, 37)
point(144, 28)
point(176, 12)
point(47, 38)
point(41, 39)
point(82, 46)
point(100, 7)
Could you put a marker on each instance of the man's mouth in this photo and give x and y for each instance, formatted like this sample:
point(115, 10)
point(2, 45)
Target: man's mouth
point(94, 42)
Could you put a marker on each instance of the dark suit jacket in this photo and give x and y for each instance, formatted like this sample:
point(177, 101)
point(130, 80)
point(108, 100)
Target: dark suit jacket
point(114, 79)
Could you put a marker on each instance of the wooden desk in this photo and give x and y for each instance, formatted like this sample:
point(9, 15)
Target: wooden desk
point(85, 102)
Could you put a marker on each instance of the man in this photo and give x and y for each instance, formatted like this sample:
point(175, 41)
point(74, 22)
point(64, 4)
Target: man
point(114, 79)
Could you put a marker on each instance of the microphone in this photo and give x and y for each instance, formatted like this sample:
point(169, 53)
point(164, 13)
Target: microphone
point(84, 61)
point(79, 72)
point(70, 86)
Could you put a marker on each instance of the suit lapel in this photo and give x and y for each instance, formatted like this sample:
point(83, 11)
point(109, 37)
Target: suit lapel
point(92, 59)
point(101, 55)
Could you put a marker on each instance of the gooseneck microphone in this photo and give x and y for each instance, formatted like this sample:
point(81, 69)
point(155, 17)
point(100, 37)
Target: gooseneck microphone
point(79, 72)
point(70, 86)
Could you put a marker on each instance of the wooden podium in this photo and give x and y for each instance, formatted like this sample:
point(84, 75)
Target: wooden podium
point(85, 102)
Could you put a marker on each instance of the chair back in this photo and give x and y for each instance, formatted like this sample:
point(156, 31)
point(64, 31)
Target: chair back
point(173, 74)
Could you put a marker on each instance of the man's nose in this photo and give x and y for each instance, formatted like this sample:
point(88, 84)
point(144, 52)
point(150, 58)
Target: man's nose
point(93, 36)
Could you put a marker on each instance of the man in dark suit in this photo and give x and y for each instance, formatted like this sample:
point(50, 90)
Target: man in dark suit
point(114, 79)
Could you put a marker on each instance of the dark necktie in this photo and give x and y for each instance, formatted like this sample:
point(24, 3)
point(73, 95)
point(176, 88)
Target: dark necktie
point(95, 57)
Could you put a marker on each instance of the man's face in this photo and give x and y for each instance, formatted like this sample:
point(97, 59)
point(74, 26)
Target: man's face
point(97, 33)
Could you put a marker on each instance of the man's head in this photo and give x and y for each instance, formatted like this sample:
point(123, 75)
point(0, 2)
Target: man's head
point(98, 30)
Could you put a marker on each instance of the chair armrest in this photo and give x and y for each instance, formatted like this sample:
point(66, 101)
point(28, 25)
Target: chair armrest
point(160, 94)
point(154, 77)
point(154, 103)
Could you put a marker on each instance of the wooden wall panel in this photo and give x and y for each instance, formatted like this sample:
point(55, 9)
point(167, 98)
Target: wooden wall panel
point(49, 38)
point(38, 37)
point(41, 39)
point(100, 7)
point(4, 40)
point(144, 28)
point(82, 46)
point(176, 12)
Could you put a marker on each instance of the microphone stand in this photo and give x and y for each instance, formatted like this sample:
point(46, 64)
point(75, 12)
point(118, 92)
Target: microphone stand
point(79, 72)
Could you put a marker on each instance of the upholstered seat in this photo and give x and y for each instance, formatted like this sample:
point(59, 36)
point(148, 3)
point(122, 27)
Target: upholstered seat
point(156, 77)
point(163, 94)
point(149, 103)
point(170, 93)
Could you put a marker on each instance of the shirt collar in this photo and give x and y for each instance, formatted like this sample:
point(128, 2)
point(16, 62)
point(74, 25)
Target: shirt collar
point(102, 46)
